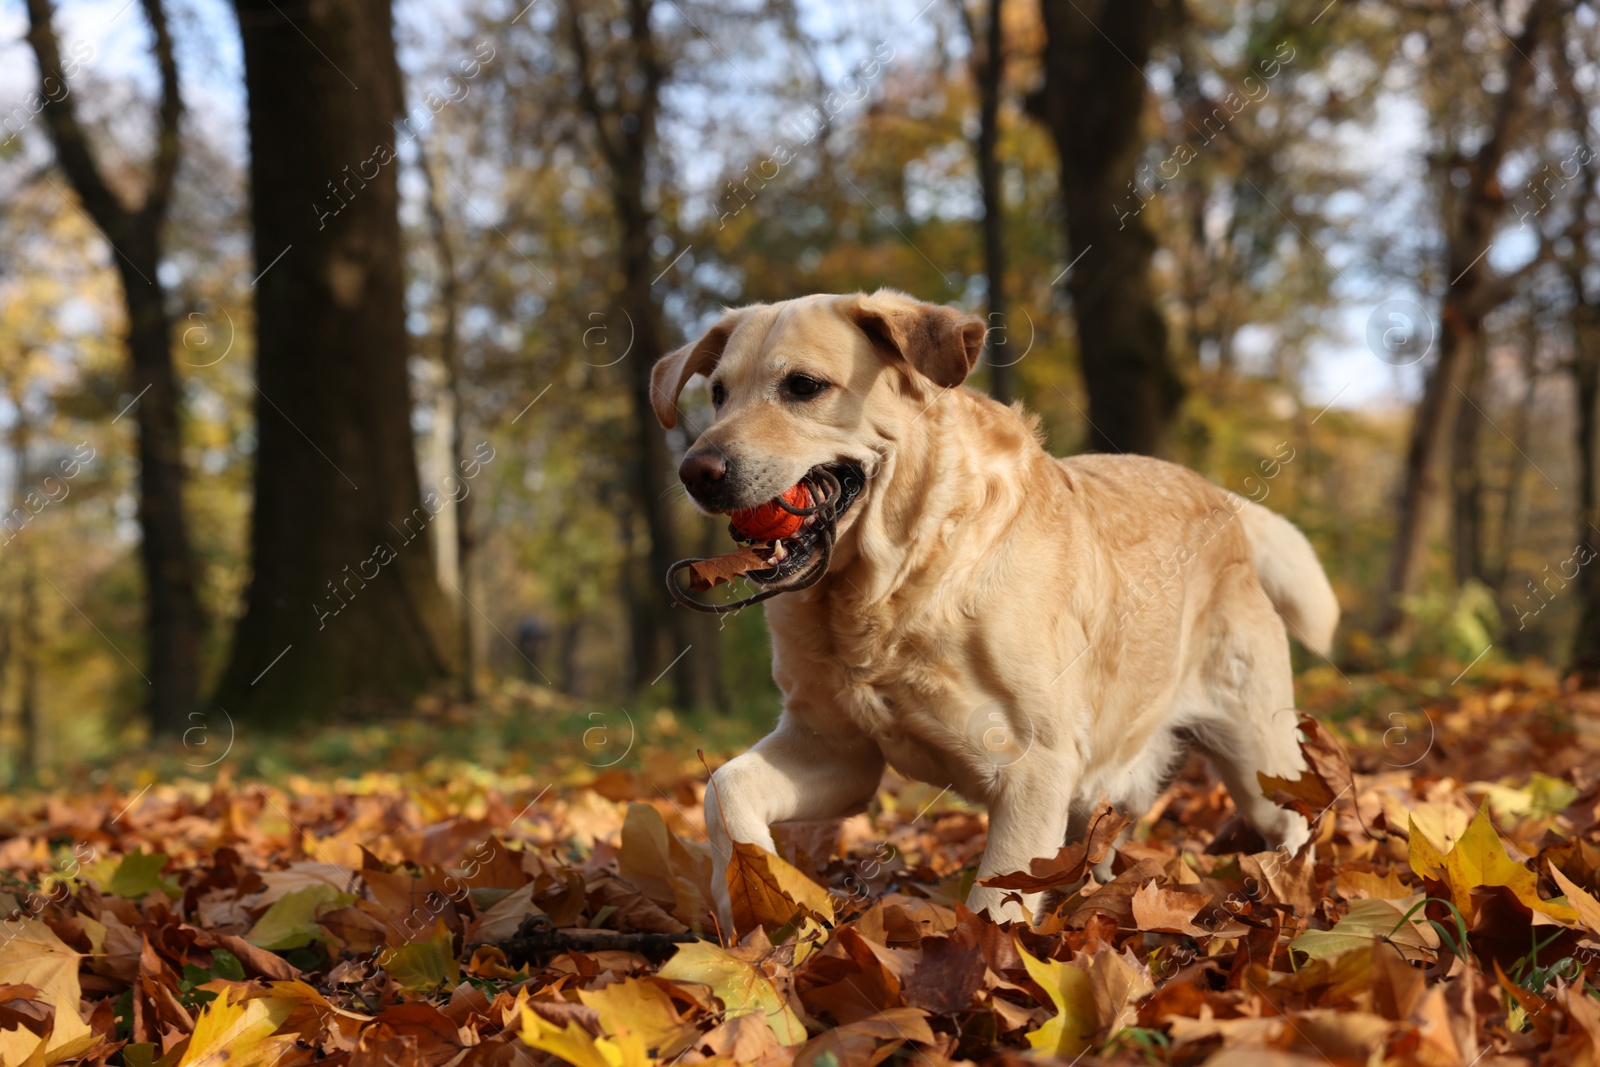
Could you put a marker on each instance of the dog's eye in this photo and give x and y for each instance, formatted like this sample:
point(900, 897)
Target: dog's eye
point(718, 394)
point(803, 385)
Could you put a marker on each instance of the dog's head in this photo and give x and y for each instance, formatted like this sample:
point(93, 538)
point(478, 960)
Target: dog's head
point(824, 382)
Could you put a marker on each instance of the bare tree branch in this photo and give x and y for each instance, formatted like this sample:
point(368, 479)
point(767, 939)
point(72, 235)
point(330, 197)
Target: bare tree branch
point(586, 91)
point(168, 146)
point(72, 146)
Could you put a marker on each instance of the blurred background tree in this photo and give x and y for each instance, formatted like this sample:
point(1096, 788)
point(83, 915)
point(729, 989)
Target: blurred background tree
point(405, 270)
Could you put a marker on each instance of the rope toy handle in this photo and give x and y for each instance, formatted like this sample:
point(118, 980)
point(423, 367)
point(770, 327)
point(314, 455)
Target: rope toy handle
point(827, 492)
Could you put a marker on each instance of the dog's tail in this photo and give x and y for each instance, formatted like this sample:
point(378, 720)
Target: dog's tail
point(1292, 577)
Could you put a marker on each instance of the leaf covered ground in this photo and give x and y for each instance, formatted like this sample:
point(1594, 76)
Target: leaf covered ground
point(1449, 916)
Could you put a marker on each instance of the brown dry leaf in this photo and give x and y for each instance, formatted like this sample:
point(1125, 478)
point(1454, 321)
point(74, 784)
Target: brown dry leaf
point(1325, 779)
point(867, 1041)
point(950, 974)
point(768, 892)
point(668, 870)
point(707, 573)
point(1168, 911)
point(1072, 862)
point(1120, 982)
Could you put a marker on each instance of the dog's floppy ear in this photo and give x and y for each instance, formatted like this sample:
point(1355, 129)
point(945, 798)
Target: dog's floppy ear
point(940, 342)
point(673, 370)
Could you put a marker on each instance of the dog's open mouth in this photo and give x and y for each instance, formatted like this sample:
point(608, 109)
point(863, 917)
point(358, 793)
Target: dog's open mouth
point(792, 556)
point(786, 542)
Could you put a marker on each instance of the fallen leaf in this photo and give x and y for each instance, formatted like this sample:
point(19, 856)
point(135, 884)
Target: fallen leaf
point(1366, 920)
point(291, 922)
point(424, 966)
point(1071, 1029)
point(233, 1034)
point(575, 1045)
point(1072, 862)
point(706, 573)
point(1587, 907)
point(1479, 859)
point(767, 891)
point(739, 984)
point(32, 954)
point(139, 875)
point(642, 1007)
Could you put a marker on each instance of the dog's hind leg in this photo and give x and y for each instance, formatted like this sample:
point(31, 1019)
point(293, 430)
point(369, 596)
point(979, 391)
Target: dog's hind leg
point(793, 773)
point(1251, 726)
point(1027, 821)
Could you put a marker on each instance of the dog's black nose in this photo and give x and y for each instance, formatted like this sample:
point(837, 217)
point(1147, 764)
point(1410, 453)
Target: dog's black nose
point(702, 472)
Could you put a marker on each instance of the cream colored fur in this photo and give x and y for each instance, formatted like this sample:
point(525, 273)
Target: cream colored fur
point(1032, 632)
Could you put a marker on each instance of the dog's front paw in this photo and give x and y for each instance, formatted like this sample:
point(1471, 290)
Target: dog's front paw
point(1003, 905)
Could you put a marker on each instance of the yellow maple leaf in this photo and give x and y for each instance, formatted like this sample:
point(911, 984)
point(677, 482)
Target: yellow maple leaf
point(575, 1045)
point(236, 1033)
point(640, 1006)
point(1479, 858)
point(31, 954)
point(739, 984)
point(20, 1047)
point(1071, 990)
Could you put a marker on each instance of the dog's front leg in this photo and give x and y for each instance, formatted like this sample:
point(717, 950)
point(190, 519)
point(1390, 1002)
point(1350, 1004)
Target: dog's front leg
point(1027, 821)
point(793, 773)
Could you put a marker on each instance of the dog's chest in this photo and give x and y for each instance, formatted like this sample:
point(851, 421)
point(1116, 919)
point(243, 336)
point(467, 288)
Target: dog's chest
point(901, 682)
point(916, 706)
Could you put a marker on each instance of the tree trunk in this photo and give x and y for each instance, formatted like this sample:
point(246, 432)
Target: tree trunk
point(1092, 101)
point(1467, 480)
point(1472, 292)
point(988, 72)
point(1585, 664)
point(450, 357)
point(665, 637)
point(1513, 500)
point(1430, 433)
point(175, 624)
point(19, 632)
point(343, 608)
point(691, 637)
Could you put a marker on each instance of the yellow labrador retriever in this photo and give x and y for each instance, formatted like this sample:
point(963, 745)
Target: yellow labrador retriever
point(1031, 632)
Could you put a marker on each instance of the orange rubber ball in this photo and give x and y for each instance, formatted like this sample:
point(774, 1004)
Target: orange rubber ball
point(769, 522)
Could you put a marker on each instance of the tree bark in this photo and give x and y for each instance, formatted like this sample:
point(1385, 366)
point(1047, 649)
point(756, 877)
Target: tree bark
point(1513, 500)
point(665, 637)
point(450, 357)
point(19, 633)
point(1472, 292)
point(1467, 480)
point(1585, 660)
point(175, 622)
point(988, 71)
point(1092, 101)
point(343, 608)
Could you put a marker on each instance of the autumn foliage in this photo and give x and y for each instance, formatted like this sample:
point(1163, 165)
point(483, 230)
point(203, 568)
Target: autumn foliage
point(1448, 915)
